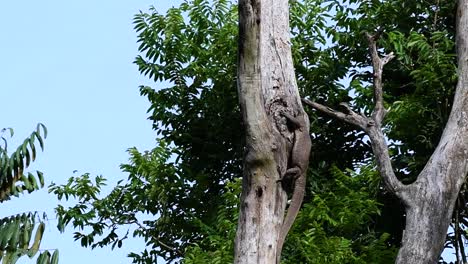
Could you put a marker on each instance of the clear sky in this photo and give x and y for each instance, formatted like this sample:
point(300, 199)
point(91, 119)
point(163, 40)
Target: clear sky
point(68, 64)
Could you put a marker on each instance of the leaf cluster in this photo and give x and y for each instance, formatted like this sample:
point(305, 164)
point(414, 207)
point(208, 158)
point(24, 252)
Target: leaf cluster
point(13, 178)
point(336, 225)
point(141, 206)
point(332, 228)
point(17, 235)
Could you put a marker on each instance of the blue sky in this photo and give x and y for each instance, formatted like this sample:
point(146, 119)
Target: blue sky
point(68, 64)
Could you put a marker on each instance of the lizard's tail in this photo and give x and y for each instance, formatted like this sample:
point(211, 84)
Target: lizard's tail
point(293, 210)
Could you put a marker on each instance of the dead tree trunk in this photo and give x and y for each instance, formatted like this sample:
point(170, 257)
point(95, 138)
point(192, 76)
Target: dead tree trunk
point(431, 198)
point(274, 122)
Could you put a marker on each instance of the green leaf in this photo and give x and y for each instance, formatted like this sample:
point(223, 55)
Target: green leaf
point(55, 257)
point(26, 234)
point(26, 182)
point(40, 175)
point(44, 129)
point(39, 138)
point(37, 240)
point(44, 258)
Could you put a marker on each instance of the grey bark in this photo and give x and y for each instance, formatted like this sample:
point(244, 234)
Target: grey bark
point(433, 195)
point(267, 91)
point(430, 200)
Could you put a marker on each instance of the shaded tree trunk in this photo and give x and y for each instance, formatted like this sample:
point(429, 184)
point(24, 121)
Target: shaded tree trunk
point(427, 219)
point(268, 94)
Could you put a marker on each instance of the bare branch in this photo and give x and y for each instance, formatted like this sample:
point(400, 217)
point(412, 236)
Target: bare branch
point(349, 116)
point(371, 125)
point(379, 146)
point(388, 58)
point(377, 64)
point(382, 158)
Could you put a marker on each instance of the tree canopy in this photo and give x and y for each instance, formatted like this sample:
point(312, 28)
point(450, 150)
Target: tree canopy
point(181, 197)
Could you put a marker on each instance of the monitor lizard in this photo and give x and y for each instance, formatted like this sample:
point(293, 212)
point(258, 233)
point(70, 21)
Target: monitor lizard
point(295, 173)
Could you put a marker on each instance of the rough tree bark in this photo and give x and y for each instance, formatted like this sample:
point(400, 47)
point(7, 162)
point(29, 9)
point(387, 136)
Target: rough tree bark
point(274, 120)
point(430, 200)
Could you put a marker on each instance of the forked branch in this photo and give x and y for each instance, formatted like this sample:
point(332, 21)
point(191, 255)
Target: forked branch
point(371, 125)
point(377, 64)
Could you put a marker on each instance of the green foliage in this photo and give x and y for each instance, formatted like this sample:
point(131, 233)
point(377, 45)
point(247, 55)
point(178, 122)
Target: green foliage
point(431, 63)
point(332, 228)
point(13, 179)
point(199, 110)
point(217, 245)
point(320, 69)
point(419, 83)
point(85, 190)
point(336, 225)
point(21, 234)
point(140, 206)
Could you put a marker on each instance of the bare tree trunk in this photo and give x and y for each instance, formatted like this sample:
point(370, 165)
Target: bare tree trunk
point(431, 198)
point(273, 115)
point(427, 220)
point(435, 192)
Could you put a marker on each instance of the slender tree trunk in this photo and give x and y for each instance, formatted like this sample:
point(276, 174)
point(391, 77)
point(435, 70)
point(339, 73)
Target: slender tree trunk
point(267, 92)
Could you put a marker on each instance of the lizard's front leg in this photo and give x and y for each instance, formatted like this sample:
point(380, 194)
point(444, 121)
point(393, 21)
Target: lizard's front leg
point(289, 179)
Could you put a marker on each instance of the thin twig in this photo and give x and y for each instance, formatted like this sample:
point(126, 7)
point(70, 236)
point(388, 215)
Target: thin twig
point(437, 8)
